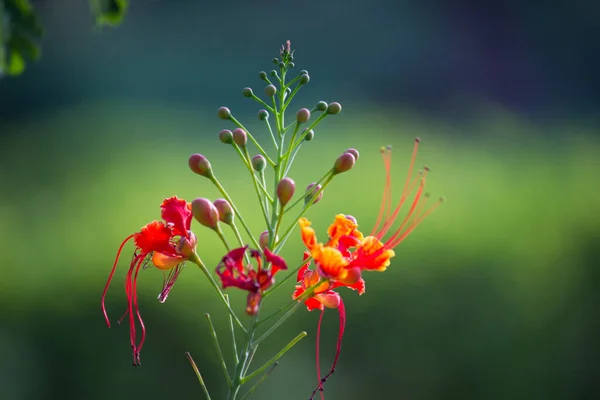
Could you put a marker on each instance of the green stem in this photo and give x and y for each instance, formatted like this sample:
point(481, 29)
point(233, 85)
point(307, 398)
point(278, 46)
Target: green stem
point(277, 356)
point(258, 99)
point(232, 329)
point(260, 381)
point(218, 348)
point(300, 301)
point(196, 260)
point(272, 134)
point(308, 204)
point(252, 139)
point(222, 237)
point(235, 210)
point(198, 374)
point(288, 276)
point(236, 232)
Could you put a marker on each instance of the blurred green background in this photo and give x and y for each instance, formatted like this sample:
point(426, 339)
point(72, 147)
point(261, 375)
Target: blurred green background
point(495, 296)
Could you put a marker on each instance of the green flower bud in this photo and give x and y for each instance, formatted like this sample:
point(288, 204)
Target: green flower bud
point(225, 210)
point(310, 135)
point(322, 106)
point(281, 65)
point(285, 190)
point(185, 246)
point(304, 79)
point(200, 165)
point(273, 73)
point(226, 136)
point(270, 90)
point(275, 61)
point(344, 163)
point(262, 75)
point(205, 213)
point(247, 92)
point(311, 190)
point(303, 72)
point(240, 137)
point(334, 108)
point(224, 113)
point(303, 115)
point(259, 163)
point(354, 152)
point(291, 64)
point(263, 115)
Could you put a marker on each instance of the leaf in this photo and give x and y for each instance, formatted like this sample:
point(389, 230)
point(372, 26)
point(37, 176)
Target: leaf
point(109, 12)
point(20, 32)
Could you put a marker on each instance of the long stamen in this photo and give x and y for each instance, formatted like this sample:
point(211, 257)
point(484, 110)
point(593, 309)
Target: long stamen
point(138, 348)
point(112, 272)
point(342, 312)
point(135, 265)
point(168, 282)
point(318, 352)
point(385, 206)
point(410, 212)
point(416, 222)
point(408, 188)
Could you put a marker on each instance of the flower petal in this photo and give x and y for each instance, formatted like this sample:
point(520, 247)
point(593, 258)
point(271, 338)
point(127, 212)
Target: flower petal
point(166, 262)
point(177, 212)
point(155, 236)
point(308, 234)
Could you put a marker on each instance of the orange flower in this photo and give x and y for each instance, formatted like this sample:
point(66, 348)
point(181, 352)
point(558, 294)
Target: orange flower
point(348, 252)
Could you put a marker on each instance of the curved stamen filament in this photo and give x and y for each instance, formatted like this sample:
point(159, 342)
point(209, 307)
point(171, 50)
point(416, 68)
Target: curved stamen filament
point(112, 272)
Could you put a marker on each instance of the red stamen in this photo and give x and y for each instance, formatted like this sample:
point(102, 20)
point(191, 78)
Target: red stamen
point(417, 222)
point(168, 282)
point(410, 213)
point(139, 317)
point(342, 312)
point(112, 272)
point(408, 188)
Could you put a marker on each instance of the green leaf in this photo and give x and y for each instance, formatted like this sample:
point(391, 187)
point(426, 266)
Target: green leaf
point(109, 12)
point(20, 31)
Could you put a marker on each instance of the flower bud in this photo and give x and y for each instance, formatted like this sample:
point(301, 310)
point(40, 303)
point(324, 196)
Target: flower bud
point(309, 135)
point(259, 163)
point(304, 72)
point(303, 115)
point(186, 247)
point(334, 108)
point(354, 152)
point(285, 190)
point(263, 240)
point(226, 136)
point(247, 92)
point(275, 60)
point(270, 90)
point(311, 190)
point(291, 64)
point(288, 91)
point(281, 65)
point(240, 137)
point(200, 165)
point(344, 163)
point(304, 79)
point(263, 115)
point(224, 113)
point(225, 210)
point(262, 75)
point(322, 106)
point(205, 212)
point(273, 73)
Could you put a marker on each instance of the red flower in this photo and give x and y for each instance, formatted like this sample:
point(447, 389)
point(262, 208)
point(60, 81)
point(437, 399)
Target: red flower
point(164, 245)
point(232, 272)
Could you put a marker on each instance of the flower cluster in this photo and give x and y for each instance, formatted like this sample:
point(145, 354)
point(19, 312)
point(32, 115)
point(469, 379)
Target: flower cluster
point(253, 262)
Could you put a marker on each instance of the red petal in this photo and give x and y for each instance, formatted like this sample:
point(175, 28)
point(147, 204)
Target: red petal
point(277, 262)
point(175, 211)
point(155, 236)
point(313, 304)
point(301, 272)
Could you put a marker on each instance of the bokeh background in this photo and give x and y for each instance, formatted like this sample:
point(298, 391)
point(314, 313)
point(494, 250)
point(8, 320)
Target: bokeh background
point(495, 296)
